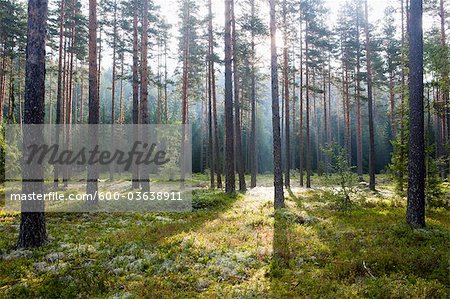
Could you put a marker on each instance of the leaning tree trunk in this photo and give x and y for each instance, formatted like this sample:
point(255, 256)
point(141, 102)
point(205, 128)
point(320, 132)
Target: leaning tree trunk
point(32, 223)
point(415, 213)
point(277, 169)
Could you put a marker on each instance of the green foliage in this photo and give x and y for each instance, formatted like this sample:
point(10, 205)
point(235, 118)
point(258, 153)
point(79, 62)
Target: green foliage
point(399, 166)
point(344, 182)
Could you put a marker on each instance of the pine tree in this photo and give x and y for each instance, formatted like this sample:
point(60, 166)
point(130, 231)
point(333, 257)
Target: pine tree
point(94, 103)
point(32, 231)
point(230, 184)
point(415, 213)
point(277, 168)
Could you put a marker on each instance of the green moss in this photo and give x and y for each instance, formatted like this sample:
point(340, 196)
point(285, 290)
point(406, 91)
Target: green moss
point(235, 247)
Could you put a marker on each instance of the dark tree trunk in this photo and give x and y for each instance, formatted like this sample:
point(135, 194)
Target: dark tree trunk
point(415, 213)
point(144, 179)
point(212, 164)
point(237, 106)
point(277, 169)
point(253, 155)
point(135, 175)
point(359, 137)
point(308, 129)
point(32, 223)
point(94, 103)
point(372, 163)
point(445, 68)
point(301, 109)
point(287, 179)
point(230, 184)
point(60, 89)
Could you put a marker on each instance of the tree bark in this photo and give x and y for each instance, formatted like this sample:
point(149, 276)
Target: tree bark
point(287, 179)
point(237, 105)
point(278, 172)
point(415, 212)
point(230, 184)
point(372, 163)
point(32, 223)
point(144, 175)
point(94, 103)
point(135, 116)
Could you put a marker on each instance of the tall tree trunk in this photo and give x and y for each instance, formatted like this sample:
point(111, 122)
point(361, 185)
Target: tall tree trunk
point(166, 109)
point(359, 137)
point(94, 103)
point(278, 172)
point(287, 179)
point(59, 93)
point(121, 89)
point(32, 223)
point(2, 84)
point(301, 108)
point(113, 88)
point(135, 116)
point(212, 165)
point(415, 212)
point(308, 129)
point(230, 184)
point(372, 163)
point(445, 70)
point(348, 118)
point(401, 173)
point(237, 105)
point(145, 181)
point(253, 155)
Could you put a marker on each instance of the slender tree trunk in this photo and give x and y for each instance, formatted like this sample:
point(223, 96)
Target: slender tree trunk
point(287, 179)
point(32, 231)
point(445, 69)
point(253, 155)
point(212, 165)
point(166, 109)
point(301, 108)
point(415, 212)
point(278, 172)
point(348, 118)
point(230, 184)
point(121, 89)
point(144, 179)
point(372, 163)
point(2, 84)
point(308, 130)
point(237, 105)
point(60, 89)
point(359, 142)
point(402, 105)
point(135, 171)
point(94, 103)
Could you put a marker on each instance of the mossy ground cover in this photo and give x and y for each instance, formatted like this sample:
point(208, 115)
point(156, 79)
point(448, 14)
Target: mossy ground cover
point(236, 246)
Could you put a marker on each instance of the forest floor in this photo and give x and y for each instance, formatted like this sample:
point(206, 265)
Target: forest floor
point(236, 247)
